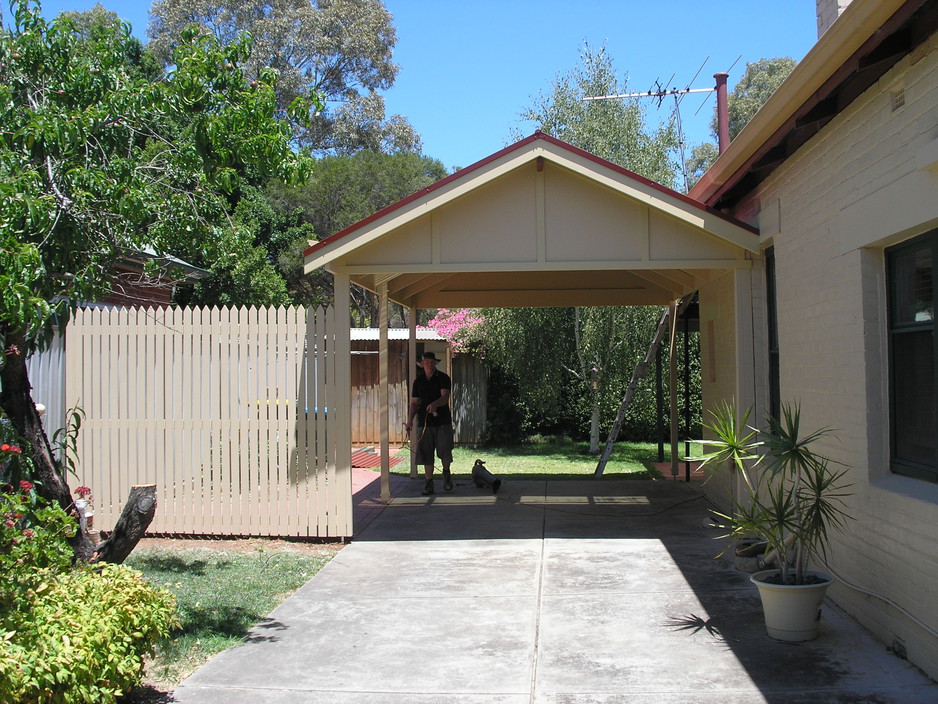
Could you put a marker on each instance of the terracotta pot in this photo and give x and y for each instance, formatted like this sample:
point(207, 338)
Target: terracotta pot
point(792, 611)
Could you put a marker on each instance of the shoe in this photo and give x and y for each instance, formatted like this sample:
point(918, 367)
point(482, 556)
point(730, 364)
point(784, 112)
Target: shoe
point(447, 480)
point(427, 488)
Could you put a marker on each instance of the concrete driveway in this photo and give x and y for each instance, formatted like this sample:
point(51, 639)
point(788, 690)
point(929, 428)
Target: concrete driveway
point(586, 592)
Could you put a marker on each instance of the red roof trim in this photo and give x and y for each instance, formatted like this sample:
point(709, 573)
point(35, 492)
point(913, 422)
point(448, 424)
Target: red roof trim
point(521, 144)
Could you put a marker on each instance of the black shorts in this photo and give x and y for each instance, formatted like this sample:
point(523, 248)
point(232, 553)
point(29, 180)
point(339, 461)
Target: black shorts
point(437, 438)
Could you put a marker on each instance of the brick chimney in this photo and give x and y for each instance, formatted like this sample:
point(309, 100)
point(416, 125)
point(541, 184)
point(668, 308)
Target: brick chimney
point(827, 12)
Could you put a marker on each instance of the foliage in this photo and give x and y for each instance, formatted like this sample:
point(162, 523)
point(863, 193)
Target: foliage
point(341, 48)
point(340, 191)
point(68, 634)
point(220, 595)
point(759, 81)
point(15, 465)
point(97, 159)
point(612, 129)
point(795, 502)
point(462, 327)
point(571, 365)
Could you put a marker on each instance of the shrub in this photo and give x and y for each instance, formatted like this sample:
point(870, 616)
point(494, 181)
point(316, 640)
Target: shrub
point(68, 634)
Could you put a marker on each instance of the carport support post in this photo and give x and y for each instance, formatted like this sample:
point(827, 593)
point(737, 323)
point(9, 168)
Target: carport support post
point(411, 373)
point(672, 386)
point(383, 391)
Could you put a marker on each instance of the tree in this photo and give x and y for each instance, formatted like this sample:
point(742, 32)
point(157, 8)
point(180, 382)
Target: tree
point(96, 159)
point(760, 80)
point(339, 48)
point(612, 129)
point(340, 191)
point(587, 351)
point(592, 347)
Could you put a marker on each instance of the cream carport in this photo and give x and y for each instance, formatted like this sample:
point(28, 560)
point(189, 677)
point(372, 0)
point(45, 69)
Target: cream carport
point(539, 223)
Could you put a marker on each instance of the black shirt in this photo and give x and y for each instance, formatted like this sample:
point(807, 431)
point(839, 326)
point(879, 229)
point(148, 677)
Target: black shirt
point(428, 391)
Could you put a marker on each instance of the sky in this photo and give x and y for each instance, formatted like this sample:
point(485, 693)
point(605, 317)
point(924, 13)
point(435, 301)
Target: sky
point(469, 68)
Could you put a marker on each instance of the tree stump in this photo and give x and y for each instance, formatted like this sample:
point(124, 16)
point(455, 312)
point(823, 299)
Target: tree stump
point(131, 526)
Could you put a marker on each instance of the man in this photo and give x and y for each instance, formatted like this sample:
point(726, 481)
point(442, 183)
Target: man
point(430, 404)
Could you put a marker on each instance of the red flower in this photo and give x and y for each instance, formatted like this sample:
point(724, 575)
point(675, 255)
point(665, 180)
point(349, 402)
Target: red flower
point(26, 486)
point(15, 449)
point(5, 447)
point(28, 533)
point(83, 492)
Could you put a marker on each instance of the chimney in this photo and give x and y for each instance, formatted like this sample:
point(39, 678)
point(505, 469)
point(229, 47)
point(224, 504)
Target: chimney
point(723, 115)
point(827, 12)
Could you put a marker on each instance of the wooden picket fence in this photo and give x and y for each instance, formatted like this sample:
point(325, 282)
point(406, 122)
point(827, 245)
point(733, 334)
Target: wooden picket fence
point(225, 410)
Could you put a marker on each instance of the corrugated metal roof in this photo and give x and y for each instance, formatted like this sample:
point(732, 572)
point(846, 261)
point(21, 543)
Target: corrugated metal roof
point(394, 334)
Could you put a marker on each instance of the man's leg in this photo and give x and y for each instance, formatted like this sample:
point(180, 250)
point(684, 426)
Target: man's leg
point(444, 450)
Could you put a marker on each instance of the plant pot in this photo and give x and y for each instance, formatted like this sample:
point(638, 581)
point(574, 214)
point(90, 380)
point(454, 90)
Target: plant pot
point(792, 611)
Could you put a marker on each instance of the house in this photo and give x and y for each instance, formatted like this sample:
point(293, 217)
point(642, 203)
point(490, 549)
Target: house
point(839, 173)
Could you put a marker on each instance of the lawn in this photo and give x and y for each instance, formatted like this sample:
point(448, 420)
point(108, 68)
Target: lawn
point(555, 458)
point(220, 593)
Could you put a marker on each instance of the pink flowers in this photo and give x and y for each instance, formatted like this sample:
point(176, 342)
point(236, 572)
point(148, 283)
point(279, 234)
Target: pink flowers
point(83, 492)
point(460, 327)
point(26, 486)
point(15, 449)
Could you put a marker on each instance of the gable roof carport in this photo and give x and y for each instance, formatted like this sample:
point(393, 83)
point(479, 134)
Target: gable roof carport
point(539, 223)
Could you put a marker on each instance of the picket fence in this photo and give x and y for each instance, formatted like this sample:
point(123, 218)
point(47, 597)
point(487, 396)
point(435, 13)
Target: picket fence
point(225, 410)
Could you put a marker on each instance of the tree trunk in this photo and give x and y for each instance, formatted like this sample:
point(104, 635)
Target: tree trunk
point(131, 526)
point(17, 403)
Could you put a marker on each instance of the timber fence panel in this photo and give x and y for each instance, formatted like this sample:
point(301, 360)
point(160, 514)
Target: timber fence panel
point(227, 411)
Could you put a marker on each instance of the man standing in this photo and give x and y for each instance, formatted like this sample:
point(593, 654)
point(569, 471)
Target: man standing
point(429, 402)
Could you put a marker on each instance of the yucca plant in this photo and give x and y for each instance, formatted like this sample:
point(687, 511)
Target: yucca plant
point(794, 502)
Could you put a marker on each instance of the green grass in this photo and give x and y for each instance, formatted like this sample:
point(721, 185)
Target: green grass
point(220, 595)
point(555, 458)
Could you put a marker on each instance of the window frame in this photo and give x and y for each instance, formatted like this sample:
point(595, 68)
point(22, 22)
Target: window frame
point(896, 329)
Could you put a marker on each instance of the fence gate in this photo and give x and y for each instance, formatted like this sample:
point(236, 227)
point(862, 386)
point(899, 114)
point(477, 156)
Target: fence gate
point(225, 410)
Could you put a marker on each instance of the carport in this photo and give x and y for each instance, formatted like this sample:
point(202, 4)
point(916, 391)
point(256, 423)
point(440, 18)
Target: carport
point(542, 223)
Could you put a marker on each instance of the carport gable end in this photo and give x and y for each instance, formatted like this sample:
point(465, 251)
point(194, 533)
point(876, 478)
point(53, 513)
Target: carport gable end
point(570, 229)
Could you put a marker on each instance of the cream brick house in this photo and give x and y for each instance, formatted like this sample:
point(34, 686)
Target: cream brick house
point(839, 172)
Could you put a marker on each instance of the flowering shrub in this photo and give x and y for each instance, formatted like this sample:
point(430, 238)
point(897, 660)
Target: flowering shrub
point(68, 633)
point(14, 463)
point(462, 328)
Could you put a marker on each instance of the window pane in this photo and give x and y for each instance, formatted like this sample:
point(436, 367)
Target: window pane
point(913, 287)
point(913, 395)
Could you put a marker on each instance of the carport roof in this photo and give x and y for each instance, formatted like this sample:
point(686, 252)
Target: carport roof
point(539, 223)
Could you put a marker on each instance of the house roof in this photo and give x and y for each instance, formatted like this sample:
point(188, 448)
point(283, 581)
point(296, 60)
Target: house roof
point(538, 223)
point(868, 39)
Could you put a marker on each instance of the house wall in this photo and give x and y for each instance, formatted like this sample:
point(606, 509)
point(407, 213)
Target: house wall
point(866, 181)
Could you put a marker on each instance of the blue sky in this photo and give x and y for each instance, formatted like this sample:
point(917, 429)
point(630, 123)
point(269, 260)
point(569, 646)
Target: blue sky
point(468, 68)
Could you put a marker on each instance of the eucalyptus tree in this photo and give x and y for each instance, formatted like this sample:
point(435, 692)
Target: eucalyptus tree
point(97, 159)
point(340, 48)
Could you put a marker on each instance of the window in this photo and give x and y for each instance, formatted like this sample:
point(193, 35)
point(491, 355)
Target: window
point(913, 397)
point(775, 401)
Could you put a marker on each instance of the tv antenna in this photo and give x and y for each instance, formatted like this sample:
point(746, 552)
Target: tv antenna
point(660, 92)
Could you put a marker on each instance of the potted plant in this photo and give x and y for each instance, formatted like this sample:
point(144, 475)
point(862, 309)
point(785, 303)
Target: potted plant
point(793, 504)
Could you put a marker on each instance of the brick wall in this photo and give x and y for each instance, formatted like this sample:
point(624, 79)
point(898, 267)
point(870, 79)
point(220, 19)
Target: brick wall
point(861, 185)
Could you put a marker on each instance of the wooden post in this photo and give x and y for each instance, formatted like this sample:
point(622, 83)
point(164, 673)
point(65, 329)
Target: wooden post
point(672, 384)
point(385, 448)
point(411, 373)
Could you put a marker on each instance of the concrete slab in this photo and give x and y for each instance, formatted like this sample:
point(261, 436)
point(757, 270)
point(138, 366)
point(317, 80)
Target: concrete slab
point(547, 593)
